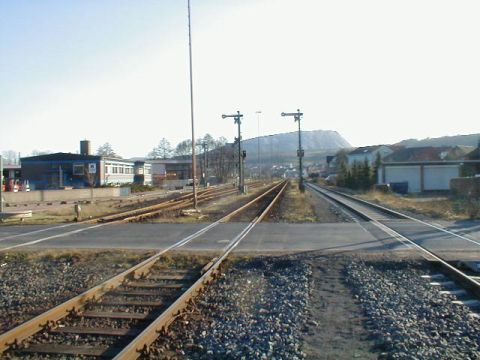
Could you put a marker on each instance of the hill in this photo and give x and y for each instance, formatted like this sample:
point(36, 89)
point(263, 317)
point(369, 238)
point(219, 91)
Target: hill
point(466, 140)
point(283, 147)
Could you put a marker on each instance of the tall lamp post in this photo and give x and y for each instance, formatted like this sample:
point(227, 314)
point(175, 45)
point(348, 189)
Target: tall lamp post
point(241, 181)
point(258, 143)
point(300, 153)
point(194, 163)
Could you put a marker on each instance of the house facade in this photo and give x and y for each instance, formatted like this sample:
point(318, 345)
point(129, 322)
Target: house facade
point(423, 169)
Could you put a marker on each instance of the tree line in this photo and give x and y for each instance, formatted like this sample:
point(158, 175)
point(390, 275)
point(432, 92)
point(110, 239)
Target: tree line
point(357, 176)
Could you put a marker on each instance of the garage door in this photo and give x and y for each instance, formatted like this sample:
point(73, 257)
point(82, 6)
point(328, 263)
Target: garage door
point(410, 174)
point(437, 177)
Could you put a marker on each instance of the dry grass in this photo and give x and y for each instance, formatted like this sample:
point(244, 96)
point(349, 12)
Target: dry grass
point(441, 208)
point(66, 213)
point(296, 207)
point(115, 258)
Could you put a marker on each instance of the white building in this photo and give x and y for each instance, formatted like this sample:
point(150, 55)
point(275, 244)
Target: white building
point(422, 169)
point(369, 153)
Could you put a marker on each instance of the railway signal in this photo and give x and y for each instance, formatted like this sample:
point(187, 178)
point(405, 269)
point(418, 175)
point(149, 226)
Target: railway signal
point(241, 173)
point(300, 152)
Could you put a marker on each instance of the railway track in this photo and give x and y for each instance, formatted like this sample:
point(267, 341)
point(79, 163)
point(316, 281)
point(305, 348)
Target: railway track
point(178, 203)
point(121, 317)
point(435, 243)
point(136, 215)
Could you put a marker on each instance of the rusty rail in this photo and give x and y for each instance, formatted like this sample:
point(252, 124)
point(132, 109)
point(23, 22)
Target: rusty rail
point(181, 202)
point(142, 342)
point(469, 282)
point(31, 327)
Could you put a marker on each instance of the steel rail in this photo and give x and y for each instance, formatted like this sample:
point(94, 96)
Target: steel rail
point(31, 327)
point(140, 345)
point(400, 215)
point(178, 206)
point(178, 203)
point(469, 282)
point(161, 205)
point(96, 225)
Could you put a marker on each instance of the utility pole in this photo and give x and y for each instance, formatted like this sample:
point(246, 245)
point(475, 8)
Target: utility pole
point(300, 153)
point(258, 144)
point(194, 163)
point(204, 174)
point(241, 155)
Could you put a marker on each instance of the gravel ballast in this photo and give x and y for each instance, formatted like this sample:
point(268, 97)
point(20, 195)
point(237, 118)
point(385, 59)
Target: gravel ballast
point(254, 311)
point(31, 284)
point(409, 317)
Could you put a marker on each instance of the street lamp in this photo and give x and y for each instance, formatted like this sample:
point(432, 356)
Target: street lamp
point(300, 153)
point(258, 143)
point(194, 163)
point(241, 155)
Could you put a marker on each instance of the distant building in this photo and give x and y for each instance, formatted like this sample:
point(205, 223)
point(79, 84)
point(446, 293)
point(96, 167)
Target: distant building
point(368, 153)
point(175, 172)
point(60, 170)
point(423, 168)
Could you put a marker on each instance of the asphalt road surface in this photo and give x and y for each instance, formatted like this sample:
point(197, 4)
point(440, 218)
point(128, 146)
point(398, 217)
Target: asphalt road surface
point(264, 237)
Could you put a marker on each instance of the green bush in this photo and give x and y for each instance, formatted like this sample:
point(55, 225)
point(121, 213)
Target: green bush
point(134, 188)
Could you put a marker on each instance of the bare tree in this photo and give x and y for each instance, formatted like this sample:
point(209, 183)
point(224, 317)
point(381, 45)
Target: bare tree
point(40, 152)
point(184, 148)
point(221, 160)
point(90, 177)
point(162, 151)
point(107, 150)
point(11, 157)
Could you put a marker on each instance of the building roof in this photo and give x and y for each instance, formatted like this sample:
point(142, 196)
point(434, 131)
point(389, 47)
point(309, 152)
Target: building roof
point(365, 150)
point(60, 157)
point(474, 155)
point(428, 153)
point(73, 157)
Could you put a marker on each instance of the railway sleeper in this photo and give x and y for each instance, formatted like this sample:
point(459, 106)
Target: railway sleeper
point(98, 351)
point(116, 315)
point(134, 292)
point(129, 303)
point(171, 277)
point(83, 330)
point(153, 285)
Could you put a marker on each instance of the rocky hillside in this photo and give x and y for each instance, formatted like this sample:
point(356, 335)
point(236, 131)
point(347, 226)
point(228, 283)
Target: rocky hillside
point(466, 140)
point(286, 144)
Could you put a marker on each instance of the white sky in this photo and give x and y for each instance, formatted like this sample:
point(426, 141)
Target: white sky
point(375, 71)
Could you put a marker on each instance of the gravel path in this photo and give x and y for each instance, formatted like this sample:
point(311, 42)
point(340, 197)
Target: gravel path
point(335, 325)
point(254, 311)
point(409, 317)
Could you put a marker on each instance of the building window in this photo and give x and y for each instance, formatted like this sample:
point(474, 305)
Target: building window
point(78, 169)
point(114, 169)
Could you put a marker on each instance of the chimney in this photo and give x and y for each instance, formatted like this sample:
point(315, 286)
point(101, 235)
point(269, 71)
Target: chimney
point(85, 148)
